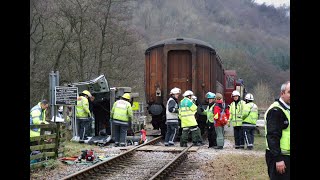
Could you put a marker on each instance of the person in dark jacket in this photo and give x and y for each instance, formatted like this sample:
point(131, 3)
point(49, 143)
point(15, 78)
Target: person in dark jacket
point(212, 137)
point(277, 129)
point(197, 116)
point(172, 119)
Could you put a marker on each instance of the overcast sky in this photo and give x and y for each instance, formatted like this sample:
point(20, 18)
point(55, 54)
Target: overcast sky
point(275, 3)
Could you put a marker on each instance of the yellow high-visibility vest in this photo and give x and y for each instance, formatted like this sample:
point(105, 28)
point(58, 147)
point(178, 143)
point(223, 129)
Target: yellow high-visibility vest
point(285, 138)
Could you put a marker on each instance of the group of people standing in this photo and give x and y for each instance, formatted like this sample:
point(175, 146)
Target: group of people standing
point(120, 117)
point(185, 111)
point(243, 118)
point(242, 114)
point(215, 112)
point(83, 114)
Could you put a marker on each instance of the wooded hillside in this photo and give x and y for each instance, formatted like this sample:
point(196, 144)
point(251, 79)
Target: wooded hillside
point(83, 39)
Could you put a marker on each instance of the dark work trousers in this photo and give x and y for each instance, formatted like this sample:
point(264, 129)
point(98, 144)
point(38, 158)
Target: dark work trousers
point(196, 138)
point(120, 132)
point(272, 171)
point(84, 128)
point(248, 134)
point(212, 136)
point(238, 137)
point(201, 120)
point(172, 131)
point(195, 135)
point(200, 140)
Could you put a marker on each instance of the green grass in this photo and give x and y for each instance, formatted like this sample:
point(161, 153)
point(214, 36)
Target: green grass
point(237, 166)
point(259, 142)
point(226, 166)
point(74, 148)
point(70, 149)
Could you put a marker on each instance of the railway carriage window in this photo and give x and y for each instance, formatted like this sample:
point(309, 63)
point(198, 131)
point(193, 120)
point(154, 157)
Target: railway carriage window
point(230, 82)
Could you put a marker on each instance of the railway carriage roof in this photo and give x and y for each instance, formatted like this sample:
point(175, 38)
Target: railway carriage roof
point(180, 41)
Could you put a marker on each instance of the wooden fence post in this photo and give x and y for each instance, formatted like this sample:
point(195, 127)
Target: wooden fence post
point(57, 140)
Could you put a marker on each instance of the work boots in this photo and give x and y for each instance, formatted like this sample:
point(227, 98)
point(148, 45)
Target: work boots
point(250, 147)
point(201, 143)
point(197, 144)
point(217, 147)
point(184, 145)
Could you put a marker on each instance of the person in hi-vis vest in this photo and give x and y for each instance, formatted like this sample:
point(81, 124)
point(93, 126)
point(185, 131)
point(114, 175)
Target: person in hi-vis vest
point(236, 108)
point(277, 132)
point(250, 116)
point(83, 115)
point(172, 119)
point(121, 117)
point(187, 110)
point(38, 116)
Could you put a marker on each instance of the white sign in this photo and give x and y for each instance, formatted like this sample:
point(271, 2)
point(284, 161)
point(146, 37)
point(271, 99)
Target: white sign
point(66, 95)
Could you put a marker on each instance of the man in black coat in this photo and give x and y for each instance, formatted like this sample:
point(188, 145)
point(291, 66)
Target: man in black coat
point(277, 127)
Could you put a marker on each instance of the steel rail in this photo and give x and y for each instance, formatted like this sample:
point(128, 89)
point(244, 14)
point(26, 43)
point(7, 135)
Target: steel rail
point(87, 172)
point(162, 173)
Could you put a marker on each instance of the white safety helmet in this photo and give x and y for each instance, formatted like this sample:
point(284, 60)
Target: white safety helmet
point(249, 96)
point(193, 97)
point(175, 91)
point(235, 93)
point(60, 109)
point(187, 93)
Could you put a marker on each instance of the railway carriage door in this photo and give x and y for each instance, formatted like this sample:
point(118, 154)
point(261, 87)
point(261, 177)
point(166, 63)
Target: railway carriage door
point(179, 70)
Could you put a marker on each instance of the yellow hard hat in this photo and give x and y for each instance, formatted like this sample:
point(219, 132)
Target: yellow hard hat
point(126, 96)
point(86, 92)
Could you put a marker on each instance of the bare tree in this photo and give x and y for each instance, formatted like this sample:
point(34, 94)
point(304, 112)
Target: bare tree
point(104, 8)
point(37, 33)
point(63, 32)
point(263, 95)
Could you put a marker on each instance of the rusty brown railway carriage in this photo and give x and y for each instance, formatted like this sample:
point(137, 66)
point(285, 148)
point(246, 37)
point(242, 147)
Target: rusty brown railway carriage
point(189, 64)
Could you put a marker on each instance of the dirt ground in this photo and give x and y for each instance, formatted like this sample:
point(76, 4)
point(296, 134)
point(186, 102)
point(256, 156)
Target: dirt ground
point(228, 163)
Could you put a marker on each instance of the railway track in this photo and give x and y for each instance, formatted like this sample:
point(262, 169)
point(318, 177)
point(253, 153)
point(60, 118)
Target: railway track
point(134, 164)
point(185, 171)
